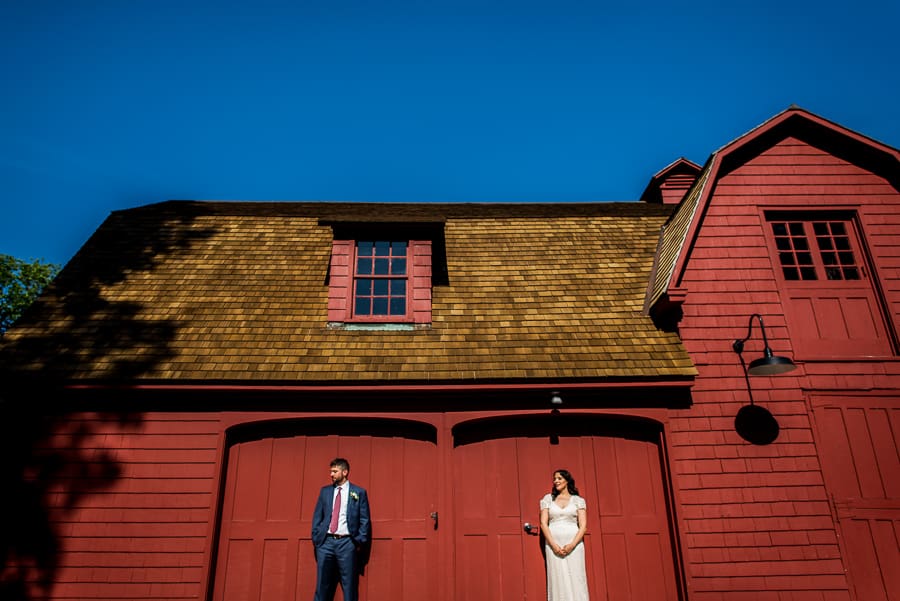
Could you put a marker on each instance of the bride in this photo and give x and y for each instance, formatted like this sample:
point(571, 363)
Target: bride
point(563, 523)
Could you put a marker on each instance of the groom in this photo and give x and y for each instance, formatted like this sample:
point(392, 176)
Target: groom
point(340, 528)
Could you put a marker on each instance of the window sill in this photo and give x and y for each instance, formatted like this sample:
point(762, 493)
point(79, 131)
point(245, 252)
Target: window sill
point(377, 327)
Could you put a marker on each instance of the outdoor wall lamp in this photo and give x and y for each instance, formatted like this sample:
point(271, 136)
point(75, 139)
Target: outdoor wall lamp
point(767, 365)
point(754, 423)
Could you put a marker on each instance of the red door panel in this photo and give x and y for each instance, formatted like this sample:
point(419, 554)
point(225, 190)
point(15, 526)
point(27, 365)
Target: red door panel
point(506, 467)
point(258, 536)
point(633, 521)
point(490, 545)
point(836, 323)
point(859, 443)
point(872, 540)
point(272, 482)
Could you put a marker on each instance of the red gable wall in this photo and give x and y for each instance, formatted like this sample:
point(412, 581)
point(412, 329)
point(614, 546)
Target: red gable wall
point(784, 521)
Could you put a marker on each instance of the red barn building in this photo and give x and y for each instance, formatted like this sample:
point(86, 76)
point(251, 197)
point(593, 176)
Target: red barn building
point(717, 365)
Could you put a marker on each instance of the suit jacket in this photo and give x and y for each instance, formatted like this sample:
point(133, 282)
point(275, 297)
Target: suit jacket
point(357, 515)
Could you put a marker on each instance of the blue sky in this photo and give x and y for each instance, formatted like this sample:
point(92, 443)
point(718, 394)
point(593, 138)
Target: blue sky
point(114, 104)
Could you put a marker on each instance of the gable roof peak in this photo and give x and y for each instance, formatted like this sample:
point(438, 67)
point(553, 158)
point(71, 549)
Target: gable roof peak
point(679, 231)
point(795, 117)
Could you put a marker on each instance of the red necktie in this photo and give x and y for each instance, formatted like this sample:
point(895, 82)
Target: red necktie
point(335, 512)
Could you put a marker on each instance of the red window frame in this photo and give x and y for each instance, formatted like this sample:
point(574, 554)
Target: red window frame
point(381, 282)
point(344, 277)
point(813, 247)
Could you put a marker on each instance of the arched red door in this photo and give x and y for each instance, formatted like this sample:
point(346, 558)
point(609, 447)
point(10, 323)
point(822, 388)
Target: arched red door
point(272, 481)
point(503, 468)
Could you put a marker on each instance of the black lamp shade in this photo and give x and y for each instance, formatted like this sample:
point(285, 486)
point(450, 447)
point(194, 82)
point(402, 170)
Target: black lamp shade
point(770, 365)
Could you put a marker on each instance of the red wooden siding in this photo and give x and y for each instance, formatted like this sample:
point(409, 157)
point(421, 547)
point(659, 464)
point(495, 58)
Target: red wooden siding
point(420, 281)
point(142, 534)
point(675, 187)
point(149, 533)
point(757, 519)
point(340, 280)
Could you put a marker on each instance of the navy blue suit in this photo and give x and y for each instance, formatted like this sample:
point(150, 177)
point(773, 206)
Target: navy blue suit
point(338, 557)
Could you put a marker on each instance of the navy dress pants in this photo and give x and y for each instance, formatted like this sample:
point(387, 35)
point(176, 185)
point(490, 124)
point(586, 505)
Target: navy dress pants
point(336, 561)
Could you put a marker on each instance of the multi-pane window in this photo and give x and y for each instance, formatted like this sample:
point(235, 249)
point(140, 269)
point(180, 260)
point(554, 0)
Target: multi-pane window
point(832, 305)
point(816, 250)
point(380, 278)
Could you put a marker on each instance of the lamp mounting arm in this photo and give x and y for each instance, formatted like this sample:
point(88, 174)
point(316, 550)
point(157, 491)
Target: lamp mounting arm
point(768, 364)
point(738, 345)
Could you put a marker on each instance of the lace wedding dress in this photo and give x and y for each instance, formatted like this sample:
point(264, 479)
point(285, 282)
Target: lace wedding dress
point(566, 576)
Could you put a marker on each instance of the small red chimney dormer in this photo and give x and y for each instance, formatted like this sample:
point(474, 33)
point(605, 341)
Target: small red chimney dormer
point(670, 184)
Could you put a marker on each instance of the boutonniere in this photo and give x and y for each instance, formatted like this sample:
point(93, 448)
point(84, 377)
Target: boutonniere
point(354, 495)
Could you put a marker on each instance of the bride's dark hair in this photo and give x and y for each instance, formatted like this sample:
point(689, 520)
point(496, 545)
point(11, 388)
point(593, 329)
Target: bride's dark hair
point(570, 483)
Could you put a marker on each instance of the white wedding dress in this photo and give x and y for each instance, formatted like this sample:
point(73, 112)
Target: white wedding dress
point(566, 576)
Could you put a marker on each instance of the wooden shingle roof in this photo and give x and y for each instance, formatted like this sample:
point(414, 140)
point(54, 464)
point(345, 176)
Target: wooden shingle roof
point(237, 292)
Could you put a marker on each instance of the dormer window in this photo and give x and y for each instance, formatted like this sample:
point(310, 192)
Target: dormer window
point(380, 279)
point(381, 275)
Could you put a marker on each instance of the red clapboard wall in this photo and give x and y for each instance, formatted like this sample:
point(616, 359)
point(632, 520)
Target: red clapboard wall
point(219, 507)
point(790, 520)
point(135, 510)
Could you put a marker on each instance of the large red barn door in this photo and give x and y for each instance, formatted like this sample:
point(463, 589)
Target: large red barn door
point(503, 467)
point(859, 443)
point(274, 475)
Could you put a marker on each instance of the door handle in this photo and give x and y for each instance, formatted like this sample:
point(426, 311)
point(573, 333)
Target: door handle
point(531, 529)
point(434, 516)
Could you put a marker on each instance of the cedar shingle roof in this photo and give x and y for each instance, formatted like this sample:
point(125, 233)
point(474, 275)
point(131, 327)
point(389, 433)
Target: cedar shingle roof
point(673, 236)
point(237, 292)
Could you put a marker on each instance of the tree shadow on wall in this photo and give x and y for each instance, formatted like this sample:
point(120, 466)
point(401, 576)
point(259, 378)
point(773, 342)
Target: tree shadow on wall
point(54, 455)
